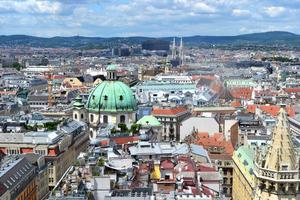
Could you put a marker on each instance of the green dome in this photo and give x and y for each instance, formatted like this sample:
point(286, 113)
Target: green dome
point(111, 96)
point(149, 120)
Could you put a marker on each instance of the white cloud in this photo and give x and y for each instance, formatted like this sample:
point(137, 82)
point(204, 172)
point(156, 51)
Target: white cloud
point(31, 6)
point(203, 7)
point(241, 12)
point(274, 11)
point(145, 17)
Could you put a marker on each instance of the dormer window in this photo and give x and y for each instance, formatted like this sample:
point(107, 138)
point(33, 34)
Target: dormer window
point(121, 98)
point(105, 97)
point(93, 96)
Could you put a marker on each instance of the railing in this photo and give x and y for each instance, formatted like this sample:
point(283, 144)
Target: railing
point(277, 175)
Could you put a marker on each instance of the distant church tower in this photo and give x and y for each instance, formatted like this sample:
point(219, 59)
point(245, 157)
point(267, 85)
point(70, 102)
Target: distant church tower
point(277, 170)
point(181, 55)
point(141, 73)
point(174, 49)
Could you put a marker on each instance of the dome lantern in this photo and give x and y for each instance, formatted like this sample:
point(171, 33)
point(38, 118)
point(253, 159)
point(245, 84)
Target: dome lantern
point(111, 72)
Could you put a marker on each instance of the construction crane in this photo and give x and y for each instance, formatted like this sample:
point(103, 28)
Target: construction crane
point(50, 84)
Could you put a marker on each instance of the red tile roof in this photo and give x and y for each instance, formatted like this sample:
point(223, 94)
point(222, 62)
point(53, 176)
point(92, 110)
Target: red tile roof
point(217, 140)
point(292, 90)
point(272, 110)
point(241, 93)
point(251, 108)
point(169, 111)
point(104, 143)
point(125, 140)
point(166, 164)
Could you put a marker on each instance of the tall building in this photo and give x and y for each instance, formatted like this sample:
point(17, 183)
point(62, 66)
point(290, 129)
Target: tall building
point(271, 173)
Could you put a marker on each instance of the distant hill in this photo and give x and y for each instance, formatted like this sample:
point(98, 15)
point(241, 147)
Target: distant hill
point(275, 38)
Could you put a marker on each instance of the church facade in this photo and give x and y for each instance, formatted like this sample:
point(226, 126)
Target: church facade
point(111, 102)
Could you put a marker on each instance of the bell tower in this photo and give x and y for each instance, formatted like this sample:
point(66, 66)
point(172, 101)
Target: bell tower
point(79, 113)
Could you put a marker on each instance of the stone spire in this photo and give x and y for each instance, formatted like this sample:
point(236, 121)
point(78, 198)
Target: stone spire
point(281, 154)
point(277, 169)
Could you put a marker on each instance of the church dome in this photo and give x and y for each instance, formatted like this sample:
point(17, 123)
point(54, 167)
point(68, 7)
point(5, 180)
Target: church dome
point(111, 96)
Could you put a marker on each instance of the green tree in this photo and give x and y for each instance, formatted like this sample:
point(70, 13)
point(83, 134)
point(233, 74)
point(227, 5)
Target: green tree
point(101, 162)
point(17, 66)
point(135, 128)
point(51, 126)
point(123, 127)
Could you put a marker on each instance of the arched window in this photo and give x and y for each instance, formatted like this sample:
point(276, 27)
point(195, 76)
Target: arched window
point(121, 98)
point(105, 97)
point(122, 119)
point(91, 134)
point(92, 118)
point(75, 116)
point(105, 119)
point(81, 116)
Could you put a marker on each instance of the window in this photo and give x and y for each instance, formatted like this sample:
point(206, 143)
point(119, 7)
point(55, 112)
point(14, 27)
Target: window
point(92, 118)
point(51, 180)
point(81, 116)
point(105, 119)
point(121, 98)
point(105, 97)
point(75, 116)
point(122, 119)
point(284, 167)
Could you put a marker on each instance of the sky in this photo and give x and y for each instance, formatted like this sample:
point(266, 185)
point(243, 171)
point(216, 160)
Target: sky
point(155, 18)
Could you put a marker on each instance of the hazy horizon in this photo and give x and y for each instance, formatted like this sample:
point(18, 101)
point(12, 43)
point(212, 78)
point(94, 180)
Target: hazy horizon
point(167, 36)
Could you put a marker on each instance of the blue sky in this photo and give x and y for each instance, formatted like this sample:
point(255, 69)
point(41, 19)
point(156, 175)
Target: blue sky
point(157, 18)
